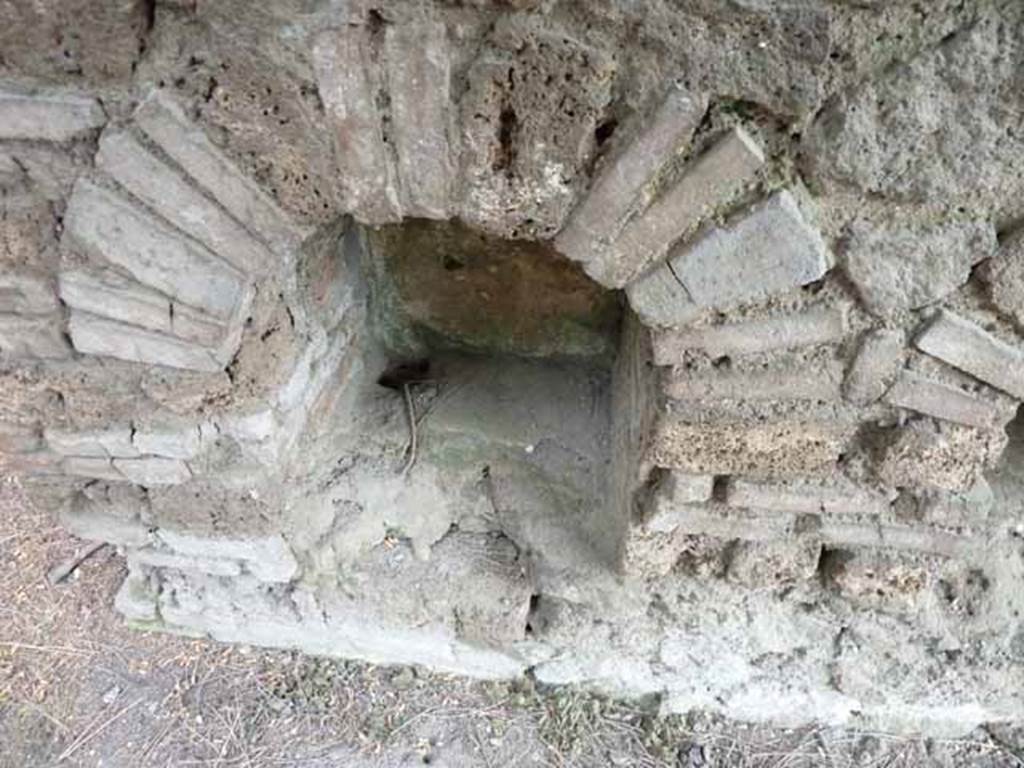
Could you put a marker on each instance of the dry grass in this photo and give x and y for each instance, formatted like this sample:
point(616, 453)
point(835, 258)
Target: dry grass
point(79, 689)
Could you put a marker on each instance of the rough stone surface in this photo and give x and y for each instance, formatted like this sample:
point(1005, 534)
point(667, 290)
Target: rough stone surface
point(108, 227)
point(164, 123)
point(624, 177)
point(771, 249)
point(898, 267)
point(789, 448)
point(350, 371)
point(70, 39)
point(964, 345)
point(874, 366)
point(1004, 279)
point(710, 182)
point(776, 333)
point(48, 117)
point(129, 163)
point(943, 401)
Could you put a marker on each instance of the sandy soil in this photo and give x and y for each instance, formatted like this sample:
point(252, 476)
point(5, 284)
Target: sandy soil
point(77, 688)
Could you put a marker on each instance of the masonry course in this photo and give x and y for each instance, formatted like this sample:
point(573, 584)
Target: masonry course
point(761, 440)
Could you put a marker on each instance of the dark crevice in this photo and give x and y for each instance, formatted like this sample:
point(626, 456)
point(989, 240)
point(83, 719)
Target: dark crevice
point(508, 128)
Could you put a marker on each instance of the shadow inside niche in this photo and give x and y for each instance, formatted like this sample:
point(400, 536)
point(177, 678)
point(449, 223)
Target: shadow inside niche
point(500, 352)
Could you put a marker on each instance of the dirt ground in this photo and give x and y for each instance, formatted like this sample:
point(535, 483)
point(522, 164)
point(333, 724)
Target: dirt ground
point(77, 688)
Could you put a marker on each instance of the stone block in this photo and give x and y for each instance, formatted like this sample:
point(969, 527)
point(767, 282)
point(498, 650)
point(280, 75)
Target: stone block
point(269, 558)
point(136, 599)
point(774, 563)
point(943, 401)
point(809, 328)
point(49, 117)
point(103, 443)
point(674, 493)
point(975, 351)
point(875, 366)
point(419, 76)
point(952, 457)
point(770, 250)
point(89, 521)
point(653, 553)
point(40, 338)
point(77, 40)
point(709, 182)
point(27, 293)
point(970, 507)
point(876, 580)
point(108, 226)
point(906, 266)
point(94, 335)
point(660, 300)
point(168, 193)
point(345, 77)
point(155, 557)
point(806, 498)
point(50, 169)
point(108, 294)
point(624, 176)
point(94, 468)
point(254, 427)
point(174, 443)
point(166, 124)
point(154, 470)
point(817, 380)
point(1003, 276)
point(785, 448)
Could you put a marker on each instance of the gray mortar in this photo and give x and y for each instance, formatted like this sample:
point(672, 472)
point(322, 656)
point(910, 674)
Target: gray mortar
point(763, 507)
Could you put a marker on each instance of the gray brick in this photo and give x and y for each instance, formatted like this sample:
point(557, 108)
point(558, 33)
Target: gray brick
point(107, 294)
point(108, 226)
point(673, 495)
point(975, 351)
point(103, 443)
point(710, 181)
point(344, 73)
point(95, 468)
point(168, 193)
point(89, 521)
point(805, 498)
point(660, 300)
point(94, 335)
point(943, 401)
point(161, 558)
point(813, 382)
point(33, 337)
point(269, 558)
point(165, 123)
point(154, 470)
point(110, 295)
point(48, 117)
point(419, 76)
point(614, 194)
point(176, 443)
point(874, 367)
point(771, 250)
point(815, 326)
